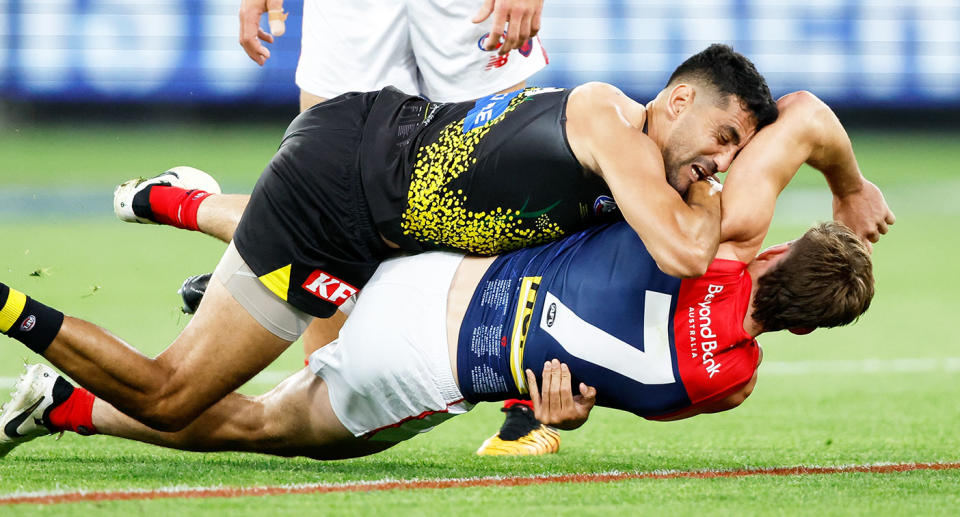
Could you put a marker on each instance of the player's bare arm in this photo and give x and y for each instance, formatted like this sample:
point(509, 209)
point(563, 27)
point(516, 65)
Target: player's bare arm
point(605, 130)
point(806, 131)
point(724, 403)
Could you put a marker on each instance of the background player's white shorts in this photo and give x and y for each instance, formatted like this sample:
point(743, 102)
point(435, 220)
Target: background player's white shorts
point(388, 374)
point(364, 45)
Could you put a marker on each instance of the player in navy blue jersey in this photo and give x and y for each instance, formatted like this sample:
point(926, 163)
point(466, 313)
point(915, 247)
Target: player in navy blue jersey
point(435, 333)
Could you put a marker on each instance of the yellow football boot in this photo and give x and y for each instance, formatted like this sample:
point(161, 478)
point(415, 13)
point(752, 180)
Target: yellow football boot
point(521, 435)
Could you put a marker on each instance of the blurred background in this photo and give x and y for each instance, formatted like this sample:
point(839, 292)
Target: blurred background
point(122, 54)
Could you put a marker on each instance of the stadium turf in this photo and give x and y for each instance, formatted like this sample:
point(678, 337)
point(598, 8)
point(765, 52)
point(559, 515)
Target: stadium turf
point(882, 391)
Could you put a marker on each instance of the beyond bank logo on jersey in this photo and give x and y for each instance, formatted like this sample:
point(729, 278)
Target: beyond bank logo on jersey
point(330, 288)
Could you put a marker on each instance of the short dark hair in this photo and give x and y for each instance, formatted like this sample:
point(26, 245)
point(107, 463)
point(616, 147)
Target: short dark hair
point(731, 73)
point(826, 280)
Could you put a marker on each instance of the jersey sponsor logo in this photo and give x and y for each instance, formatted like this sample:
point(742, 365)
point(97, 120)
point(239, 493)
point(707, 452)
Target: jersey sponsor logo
point(487, 109)
point(28, 323)
point(328, 287)
point(526, 301)
point(551, 314)
point(604, 205)
point(703, 341)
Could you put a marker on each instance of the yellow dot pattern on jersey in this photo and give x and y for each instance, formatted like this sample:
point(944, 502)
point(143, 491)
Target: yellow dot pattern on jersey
point(438, 215)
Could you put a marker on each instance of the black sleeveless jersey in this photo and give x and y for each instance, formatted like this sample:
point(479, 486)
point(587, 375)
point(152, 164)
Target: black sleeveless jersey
point(486, 176)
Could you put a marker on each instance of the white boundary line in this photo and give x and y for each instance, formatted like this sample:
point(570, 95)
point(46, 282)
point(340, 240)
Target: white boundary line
point(184, 492)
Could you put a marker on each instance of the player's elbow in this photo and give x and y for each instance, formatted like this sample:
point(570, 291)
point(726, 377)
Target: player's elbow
point(685, 264)
point(803, 109)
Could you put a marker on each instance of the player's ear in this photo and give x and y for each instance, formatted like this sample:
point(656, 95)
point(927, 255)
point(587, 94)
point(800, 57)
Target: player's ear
point(802, 331)
point(680, 99)
point(773, 251)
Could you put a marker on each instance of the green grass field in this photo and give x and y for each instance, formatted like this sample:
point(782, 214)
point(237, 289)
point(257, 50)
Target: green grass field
point(882, 391)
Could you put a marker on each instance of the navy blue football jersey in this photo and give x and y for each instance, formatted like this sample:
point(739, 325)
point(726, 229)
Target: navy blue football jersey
point(650, 343)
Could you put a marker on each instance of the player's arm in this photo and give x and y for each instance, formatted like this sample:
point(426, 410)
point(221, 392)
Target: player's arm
point(806, 131)
point(724, 403)
point(681, 234)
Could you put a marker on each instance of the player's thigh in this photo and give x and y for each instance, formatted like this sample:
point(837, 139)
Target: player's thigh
point(322, 331)
point(221, 348)
point(309, 100)
point(299, 421)
point(452, 64)
point(361, 45)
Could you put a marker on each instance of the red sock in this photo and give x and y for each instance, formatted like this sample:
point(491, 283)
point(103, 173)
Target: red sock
point(176, 206)
point(507, 404)
point(75, 414)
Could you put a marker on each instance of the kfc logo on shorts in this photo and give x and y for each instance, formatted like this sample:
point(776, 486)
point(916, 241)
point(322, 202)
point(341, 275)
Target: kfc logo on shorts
point(330, 288)
point(28, 323)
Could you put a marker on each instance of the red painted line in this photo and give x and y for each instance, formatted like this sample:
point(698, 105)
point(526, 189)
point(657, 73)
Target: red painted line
point(376, 486)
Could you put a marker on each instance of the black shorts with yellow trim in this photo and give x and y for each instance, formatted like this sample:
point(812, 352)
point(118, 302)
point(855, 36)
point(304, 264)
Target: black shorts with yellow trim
point(307, 232)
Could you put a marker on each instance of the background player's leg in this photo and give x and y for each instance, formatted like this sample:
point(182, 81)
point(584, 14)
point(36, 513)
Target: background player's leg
point(519, 86)
point(322, 331)
point(309, 100)
point(293, 419)
point(220, 349)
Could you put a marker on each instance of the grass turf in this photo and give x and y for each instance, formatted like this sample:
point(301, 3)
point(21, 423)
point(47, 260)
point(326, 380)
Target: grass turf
point(124, 277)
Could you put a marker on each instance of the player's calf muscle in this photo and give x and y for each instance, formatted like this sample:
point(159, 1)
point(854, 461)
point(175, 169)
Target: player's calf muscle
point(129, 379)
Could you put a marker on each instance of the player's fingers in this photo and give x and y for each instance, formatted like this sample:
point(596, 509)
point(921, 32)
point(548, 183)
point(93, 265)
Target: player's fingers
point(264, 35)
point(496, 31)
point(276, 17)
point(535, 20)
point(566, 391)
point(249, 27)
point(484, 12)
point(513, 33)
point(883, 228)
point(555, 376)
point(890, 218)
point(525, 31)
point(532, 389)
point(588, 395)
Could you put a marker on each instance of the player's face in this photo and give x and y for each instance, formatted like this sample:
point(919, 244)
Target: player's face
point(704, 140)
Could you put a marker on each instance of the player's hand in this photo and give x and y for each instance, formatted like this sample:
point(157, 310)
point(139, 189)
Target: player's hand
point(864, 211)
point(251, 34)
point(554, 404)
point(523, 17)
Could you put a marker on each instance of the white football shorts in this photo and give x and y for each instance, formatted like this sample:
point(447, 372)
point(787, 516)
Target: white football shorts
point(388, 374)
point(423, 47)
